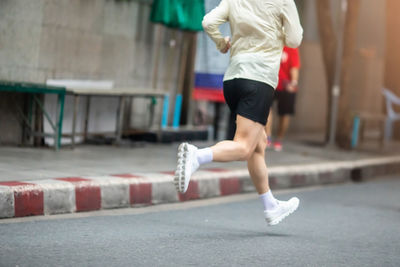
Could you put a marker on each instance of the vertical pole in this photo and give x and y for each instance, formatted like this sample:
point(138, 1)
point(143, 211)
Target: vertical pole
point(24, 122)
point(181, 80)
point(337, 77)
point(164, 119)
point(120, 118)
point(61, 100)
point(355, 133)
point(177, 111)
point(87, 111)
point(188, 108)
point(156, 63)
point(159, 127)
point(38, 125)
point(76, 104)
point(30, 117)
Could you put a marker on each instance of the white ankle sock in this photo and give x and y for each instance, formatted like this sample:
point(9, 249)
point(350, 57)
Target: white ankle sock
point(204, 155)
point(268, 201)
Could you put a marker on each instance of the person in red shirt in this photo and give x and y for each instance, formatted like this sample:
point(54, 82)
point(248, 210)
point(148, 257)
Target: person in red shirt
point(286, 93)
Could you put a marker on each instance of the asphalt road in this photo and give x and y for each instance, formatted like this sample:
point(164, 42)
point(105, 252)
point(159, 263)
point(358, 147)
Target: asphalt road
point(344, 225)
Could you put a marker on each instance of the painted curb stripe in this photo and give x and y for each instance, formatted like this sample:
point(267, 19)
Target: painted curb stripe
point(114, 191)
point(87, 194)
point(139, 192)
point(58, 196)
point(28, 198)
point(230, 186)
point(192, 193)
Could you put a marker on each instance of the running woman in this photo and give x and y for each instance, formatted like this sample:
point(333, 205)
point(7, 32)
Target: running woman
point(260, 29)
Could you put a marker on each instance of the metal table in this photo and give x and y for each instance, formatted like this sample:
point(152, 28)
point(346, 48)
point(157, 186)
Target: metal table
point(123, 94)
point(32, 89)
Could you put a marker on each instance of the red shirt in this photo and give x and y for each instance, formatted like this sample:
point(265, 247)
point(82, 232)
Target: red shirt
point(290, 59)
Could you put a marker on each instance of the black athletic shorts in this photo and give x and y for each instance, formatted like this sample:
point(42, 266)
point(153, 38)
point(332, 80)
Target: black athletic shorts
point(286, 102)
point(248, 98)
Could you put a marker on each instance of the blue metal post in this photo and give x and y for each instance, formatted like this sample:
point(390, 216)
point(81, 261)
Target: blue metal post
point(177, 111)
point(355, 133)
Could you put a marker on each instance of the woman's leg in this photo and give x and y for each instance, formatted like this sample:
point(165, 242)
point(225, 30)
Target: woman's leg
point(258, 168)
point(259, 175)
point(244, 143)
point(242, 147)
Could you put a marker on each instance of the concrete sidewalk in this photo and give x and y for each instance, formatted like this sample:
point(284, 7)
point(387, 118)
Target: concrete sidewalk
point(41, 181)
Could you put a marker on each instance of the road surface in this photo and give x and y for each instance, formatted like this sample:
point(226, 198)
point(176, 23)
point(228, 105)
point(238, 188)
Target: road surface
point(344, 225)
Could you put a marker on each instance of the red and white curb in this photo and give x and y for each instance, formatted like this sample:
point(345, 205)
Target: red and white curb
point(88, 193)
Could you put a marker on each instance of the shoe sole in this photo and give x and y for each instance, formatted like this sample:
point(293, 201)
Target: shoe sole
point(283, 216)
point(179, 178)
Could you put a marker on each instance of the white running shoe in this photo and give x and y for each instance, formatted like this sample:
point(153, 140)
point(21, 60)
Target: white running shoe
point(187, 165)
point(284, 209)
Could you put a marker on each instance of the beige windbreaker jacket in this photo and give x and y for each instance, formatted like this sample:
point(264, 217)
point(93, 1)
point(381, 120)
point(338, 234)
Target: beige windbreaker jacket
point(260, 29)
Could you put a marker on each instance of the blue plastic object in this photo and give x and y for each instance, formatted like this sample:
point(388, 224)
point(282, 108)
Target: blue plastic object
point(164, 118)
point(177, 111)
point(355, 133)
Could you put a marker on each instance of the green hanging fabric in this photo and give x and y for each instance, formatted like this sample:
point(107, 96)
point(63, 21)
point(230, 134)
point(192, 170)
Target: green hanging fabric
point(181, 14)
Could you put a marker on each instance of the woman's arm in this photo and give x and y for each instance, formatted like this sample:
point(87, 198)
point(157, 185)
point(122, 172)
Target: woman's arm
point(211, 22)
point(291, 23)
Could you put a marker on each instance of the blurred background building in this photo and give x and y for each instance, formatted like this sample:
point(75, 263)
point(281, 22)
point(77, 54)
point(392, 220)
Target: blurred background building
point(115, 40)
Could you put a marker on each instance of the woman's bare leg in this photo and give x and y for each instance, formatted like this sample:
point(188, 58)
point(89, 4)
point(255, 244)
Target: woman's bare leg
point(245, 141)
point(258, 168)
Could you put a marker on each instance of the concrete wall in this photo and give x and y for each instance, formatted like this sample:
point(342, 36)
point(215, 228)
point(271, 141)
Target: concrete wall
point(392, 73)
point(83, 39)
point(312, 95)
point(310, 114)
point(368, 64)
point(114, 40)
point(367, 70)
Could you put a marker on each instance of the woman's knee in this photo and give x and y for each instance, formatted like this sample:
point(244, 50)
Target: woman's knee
point(248, 134)
point(261, 146)
point(246, 151)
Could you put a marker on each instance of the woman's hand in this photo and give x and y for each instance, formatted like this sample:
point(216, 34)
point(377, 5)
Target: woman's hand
point(227, 45)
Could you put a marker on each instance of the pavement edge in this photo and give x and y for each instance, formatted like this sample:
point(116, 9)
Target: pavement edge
point(75, 194)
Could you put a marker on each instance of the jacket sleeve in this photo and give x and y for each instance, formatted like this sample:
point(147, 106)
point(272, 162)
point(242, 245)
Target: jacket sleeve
point(291, 24)
point(213, 20)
